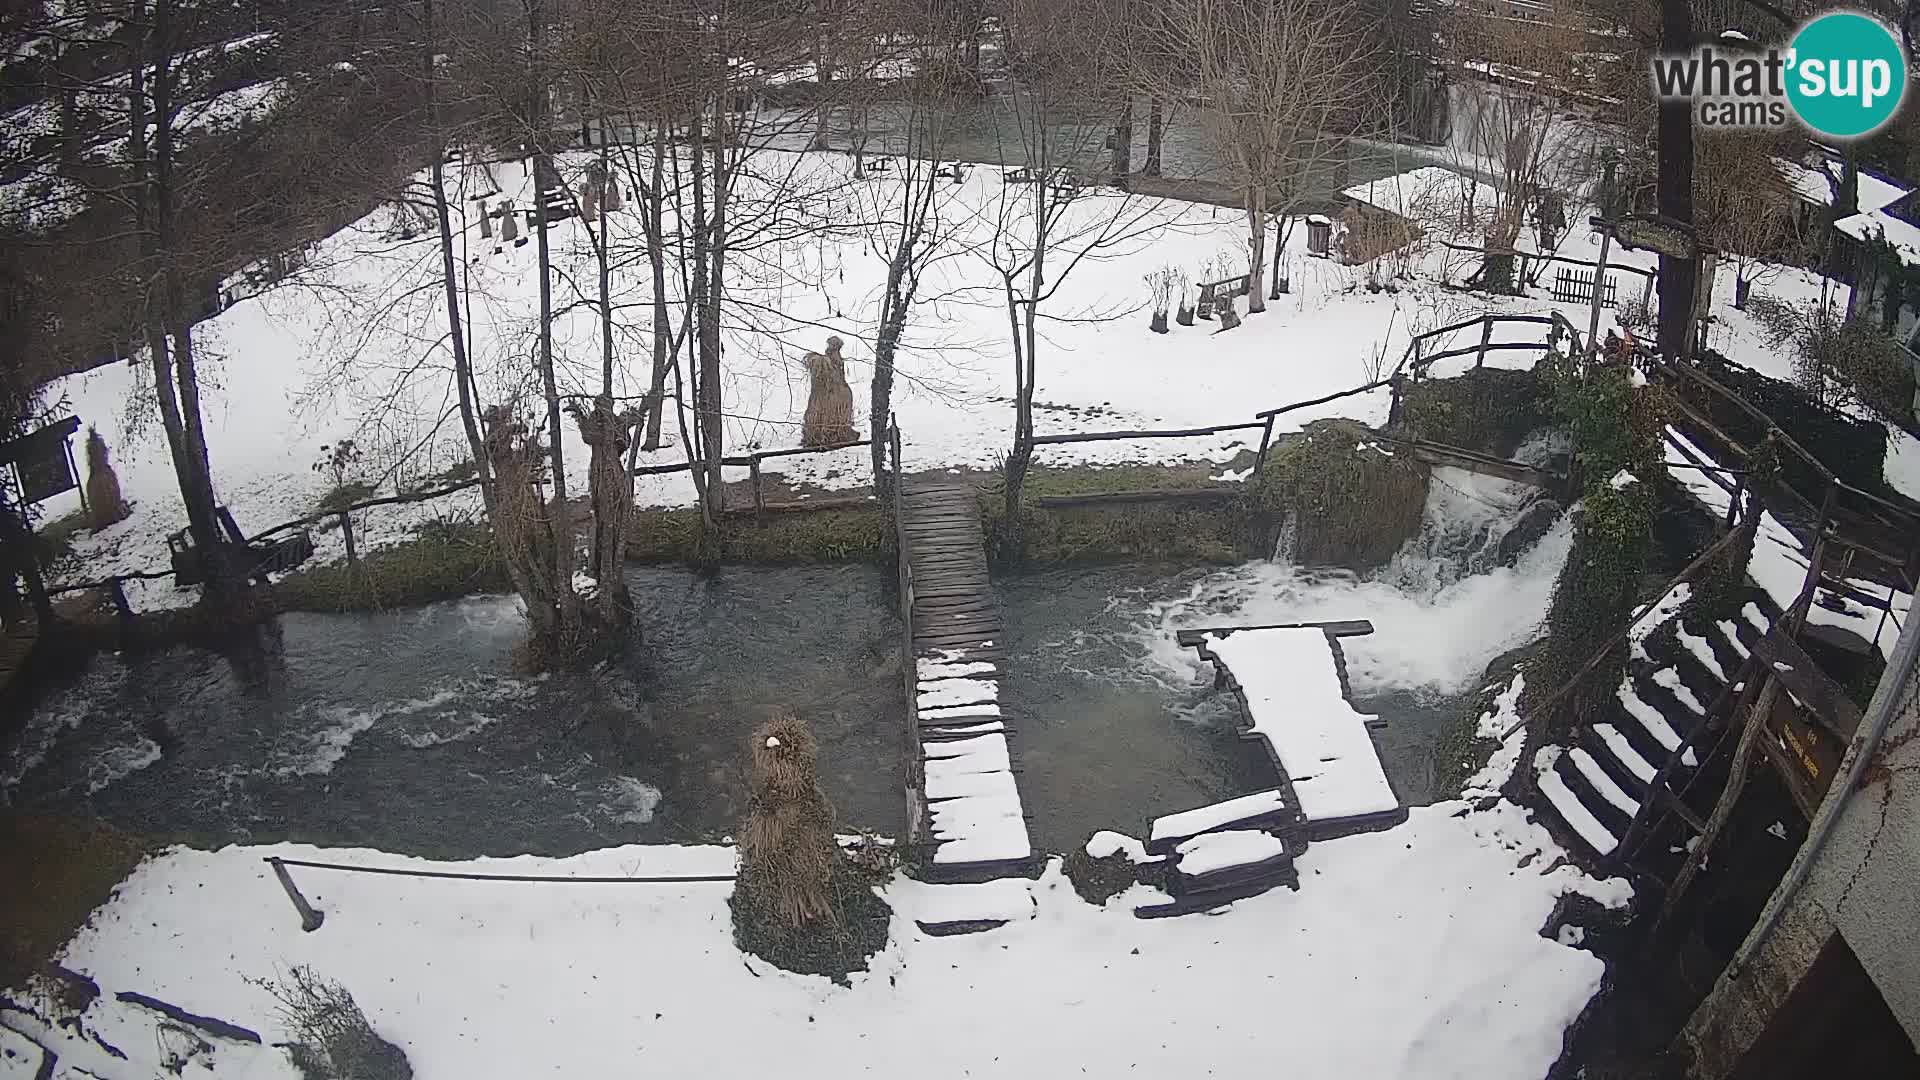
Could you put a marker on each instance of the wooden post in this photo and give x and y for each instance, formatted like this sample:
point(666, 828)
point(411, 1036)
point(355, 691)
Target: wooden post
point(1743, 755)
point(117, 588)
point(1599, 287)
point(310, 917)
point(759, 498)
point(1739, 489)
point(1486, 336)
point(346, 531)
point(79, 480)
point(1266, 443)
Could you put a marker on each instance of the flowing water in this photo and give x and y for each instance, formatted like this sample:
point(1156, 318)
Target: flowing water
point(407, 731)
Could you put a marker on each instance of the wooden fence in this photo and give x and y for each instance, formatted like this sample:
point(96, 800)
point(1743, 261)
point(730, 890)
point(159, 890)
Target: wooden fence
point(1413, 365)
point(115, 585)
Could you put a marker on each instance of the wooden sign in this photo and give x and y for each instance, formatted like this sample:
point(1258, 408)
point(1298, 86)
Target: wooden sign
point(1664, 237)
point(42, 461)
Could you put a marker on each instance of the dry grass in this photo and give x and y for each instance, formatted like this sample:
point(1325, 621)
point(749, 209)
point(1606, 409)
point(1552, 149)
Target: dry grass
point(798, 902)
point(787, 850)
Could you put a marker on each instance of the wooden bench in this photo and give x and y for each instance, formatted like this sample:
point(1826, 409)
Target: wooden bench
point(1212, 291)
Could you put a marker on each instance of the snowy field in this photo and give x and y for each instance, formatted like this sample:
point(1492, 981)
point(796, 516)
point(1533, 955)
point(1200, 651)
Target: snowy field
point(1417, 953)
point(353, 347)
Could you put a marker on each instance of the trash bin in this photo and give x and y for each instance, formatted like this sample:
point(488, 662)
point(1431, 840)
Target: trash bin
point(1319, 234)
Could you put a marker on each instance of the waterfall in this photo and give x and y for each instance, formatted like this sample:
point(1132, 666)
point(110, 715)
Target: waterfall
point(1286, 546)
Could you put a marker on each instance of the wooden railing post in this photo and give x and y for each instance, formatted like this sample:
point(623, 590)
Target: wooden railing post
point(117, 588)
point(759, 497)
point(346, 532)
point(1260, 459)
point(310, 917)
point(1486, 336)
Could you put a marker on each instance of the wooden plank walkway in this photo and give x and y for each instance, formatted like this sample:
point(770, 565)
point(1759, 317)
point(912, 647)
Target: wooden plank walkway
point(968, 807)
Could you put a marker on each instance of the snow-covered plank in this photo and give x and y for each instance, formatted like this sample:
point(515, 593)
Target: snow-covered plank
point(1006, 842)
point(1217, 815)
point(945, 693)
point(1732, 635)
point(960, 785)
point(1603, 783)
point(979, 744)
point(986, 760)
point(1295, 701)
point(1211, 852)
point(1702, 651)
point(1670, 678)
point(1655, 724)
point(986, 727)
point(960, 712)
point(1623, 751)
point(1569, 807)
point(1758, 620)
point(1001, 900)
point(928, 670)
point(961, 818)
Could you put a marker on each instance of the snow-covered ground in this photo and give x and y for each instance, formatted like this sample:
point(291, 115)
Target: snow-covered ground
point(353, 347)
point(1417, 952)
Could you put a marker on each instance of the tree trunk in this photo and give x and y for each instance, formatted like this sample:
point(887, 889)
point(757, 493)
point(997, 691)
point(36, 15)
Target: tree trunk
point(560, 513)
point(893, 320)
point(1123, 144)
point(1156, 129)
point(1282, 232)
point(176, 383)
point(1675, 181)
point(715, 430)
point(821, 107)
point(663, 347)
point(1256, 249)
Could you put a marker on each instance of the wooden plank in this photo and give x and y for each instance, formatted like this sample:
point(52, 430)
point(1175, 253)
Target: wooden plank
point(1825, 701)
point(1197, 636)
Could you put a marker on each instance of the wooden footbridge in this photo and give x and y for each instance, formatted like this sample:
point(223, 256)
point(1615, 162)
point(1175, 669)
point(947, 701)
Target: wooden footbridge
point(964, 802)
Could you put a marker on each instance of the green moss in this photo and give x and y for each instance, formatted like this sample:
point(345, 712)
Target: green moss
point(1491, 410)
point(1356, 501)
point(57, 873)
point(1593, 597)
point(1098, 880)
point(442, 561)
point(1461, 751)
point(670, 536)
point(1213, 531)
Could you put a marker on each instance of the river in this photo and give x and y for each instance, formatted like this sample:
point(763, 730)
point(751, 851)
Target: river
point(408, 731)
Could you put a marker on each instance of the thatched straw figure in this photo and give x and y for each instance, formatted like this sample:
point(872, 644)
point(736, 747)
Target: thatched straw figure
point(829, 418)
point(787, 851)
point(104, 503)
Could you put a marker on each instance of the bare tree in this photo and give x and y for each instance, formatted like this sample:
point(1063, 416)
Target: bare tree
point(908, 232)
point(1744, 208)
point(1279, 85)
point(1048, 226)
point(1516, 135)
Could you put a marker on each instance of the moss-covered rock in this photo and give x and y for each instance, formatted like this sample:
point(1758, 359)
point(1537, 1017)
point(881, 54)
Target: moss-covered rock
point(1354, 499)
point(1098, 880)
point(1491, 410)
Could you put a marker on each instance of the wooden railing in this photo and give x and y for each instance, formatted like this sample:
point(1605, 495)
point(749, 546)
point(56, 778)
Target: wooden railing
point(909, 666)
point(1832, 496)
point(761, 507)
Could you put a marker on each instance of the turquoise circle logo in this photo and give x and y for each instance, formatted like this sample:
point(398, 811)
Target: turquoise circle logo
point(1846, 75)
